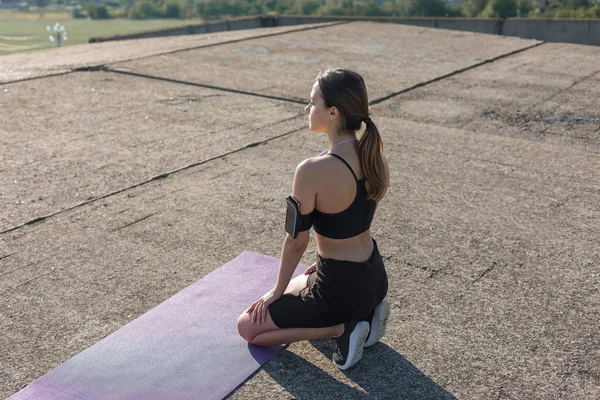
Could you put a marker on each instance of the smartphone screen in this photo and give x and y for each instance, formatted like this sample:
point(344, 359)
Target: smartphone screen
point(290, 217)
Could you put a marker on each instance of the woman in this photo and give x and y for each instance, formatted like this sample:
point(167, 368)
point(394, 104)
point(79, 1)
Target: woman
point(342, 294)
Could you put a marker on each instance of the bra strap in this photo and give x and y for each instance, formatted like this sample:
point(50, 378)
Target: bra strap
point(347, 165)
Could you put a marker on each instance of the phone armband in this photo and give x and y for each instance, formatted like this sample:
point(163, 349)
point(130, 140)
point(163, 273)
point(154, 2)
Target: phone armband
point(294, 221)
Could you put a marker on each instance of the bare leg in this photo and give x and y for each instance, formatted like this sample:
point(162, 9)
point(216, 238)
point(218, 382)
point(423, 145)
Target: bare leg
point(297, 284)
point(269, 334)
point(290, 335)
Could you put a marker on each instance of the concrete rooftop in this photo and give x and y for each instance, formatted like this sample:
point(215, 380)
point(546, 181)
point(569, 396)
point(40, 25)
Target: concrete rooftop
point(120, 185)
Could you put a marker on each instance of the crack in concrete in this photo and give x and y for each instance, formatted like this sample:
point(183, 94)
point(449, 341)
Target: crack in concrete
point(459, 71)
point(559, 92)
point(31, 279)
point(106, 68)
point(36, 77)
point(485, 272)
point(159, 78)
point(465, 127)
point(102, 67)
point(161, 176)
point(90, 68)
point(572, 368)
point(165, 175)
point(236, 40)
point(432, 272)
point(9, 271)
point(6, 256)
point(168, 194)
point(135, 222)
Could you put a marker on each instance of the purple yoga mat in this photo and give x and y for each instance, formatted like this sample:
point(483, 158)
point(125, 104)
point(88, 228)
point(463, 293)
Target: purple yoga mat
point(187, 347)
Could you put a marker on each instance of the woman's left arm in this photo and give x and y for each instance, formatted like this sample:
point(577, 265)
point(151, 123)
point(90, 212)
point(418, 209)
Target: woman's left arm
point(304, 190)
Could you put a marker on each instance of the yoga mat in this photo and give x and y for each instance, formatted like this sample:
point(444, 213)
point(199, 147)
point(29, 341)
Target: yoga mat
point(187, 347)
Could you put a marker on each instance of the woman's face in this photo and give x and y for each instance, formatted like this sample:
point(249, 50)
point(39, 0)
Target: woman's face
point(318, 113)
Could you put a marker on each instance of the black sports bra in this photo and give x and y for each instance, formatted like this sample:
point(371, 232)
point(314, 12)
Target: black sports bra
point(351, 222)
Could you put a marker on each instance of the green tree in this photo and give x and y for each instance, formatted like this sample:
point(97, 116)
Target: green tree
point(524, 6)
point(500, 9)
point(172, 10)
point(574, 4)
point(284, 6)
point(76, 12)
point(308, 7)
point(372, 9)
point(145, 10)
point(209, 9)
point(593, 12)
point(504, 8)
point(395, 7)
point(97, 11)
point(337, 7)
point(189, 8)
point(427, 8)
point(472, 8)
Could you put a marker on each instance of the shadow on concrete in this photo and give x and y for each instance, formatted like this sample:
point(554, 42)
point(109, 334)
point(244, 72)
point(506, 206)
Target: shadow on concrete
point(382, 373)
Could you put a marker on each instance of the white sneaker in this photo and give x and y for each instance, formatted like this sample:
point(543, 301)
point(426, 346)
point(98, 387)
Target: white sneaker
point(378, 323)
point(350, 344)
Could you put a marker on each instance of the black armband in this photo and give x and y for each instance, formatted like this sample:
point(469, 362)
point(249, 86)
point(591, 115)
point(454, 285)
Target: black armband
point(294, 221)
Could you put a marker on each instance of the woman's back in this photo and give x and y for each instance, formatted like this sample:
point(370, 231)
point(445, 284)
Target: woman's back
point(341, 202)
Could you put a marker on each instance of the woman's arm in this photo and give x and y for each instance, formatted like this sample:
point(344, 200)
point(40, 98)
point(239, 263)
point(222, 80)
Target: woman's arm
point(304, 190)
point(291, 253)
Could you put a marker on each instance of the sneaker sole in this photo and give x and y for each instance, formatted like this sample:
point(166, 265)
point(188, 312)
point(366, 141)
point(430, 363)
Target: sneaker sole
point(357, 340)
point(380, 318)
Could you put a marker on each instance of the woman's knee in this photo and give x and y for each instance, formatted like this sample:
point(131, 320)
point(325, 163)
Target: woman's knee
point(244, 327)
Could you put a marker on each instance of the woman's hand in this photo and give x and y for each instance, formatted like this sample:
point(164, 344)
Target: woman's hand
point(311, 268)
point(258, 309)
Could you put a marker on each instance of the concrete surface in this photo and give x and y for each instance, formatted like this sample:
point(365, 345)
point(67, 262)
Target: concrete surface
point(489, 235)
point(391, 57)
point(63, 60)
point(115, 131)
point(577, 31)
point(532, 95)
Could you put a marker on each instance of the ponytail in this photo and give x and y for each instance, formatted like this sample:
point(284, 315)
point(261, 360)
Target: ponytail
point(370, 153)
point(346, 90)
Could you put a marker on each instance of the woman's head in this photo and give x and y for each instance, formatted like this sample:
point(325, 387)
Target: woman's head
point(339, 98)
point(344, 92)
point(320, 116)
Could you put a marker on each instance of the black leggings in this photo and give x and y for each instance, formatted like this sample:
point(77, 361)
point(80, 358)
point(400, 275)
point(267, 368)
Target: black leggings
point(336, 292)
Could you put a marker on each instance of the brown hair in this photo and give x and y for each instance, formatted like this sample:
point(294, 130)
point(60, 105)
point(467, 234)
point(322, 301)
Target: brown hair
point(346, 90)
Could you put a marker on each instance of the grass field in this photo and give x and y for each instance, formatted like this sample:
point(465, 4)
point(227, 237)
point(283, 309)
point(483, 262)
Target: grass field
point(27, 31)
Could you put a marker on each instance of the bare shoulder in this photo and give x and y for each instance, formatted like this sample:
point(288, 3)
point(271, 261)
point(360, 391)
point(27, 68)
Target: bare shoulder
point(314, 167)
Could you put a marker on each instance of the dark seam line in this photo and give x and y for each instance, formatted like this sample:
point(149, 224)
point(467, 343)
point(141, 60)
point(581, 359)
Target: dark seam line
point(37, 77)
point(90, 68)
point(101, 67)
point(482, 274)
point(29, 280)
point(6, 256)
point(460, 71)
point(170, 193)
point(134, 222)
point(561, 91)
point(230, 41)
point(9, 271)
point(265, 96)
point(161, 176)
